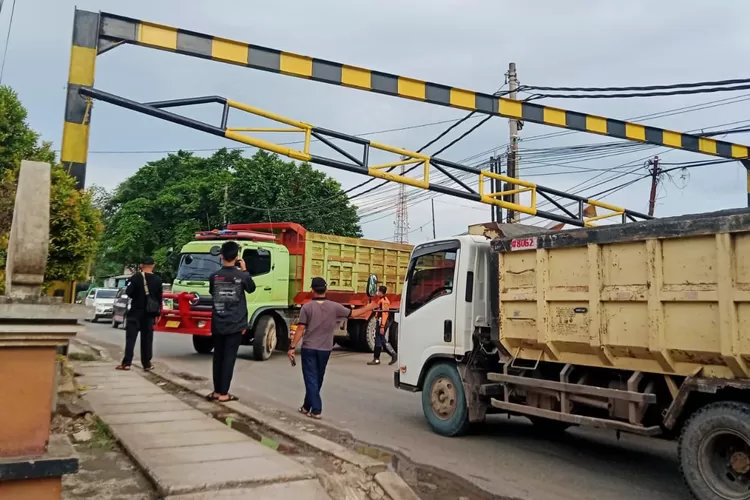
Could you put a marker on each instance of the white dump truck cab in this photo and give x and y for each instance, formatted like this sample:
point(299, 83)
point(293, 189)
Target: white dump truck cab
point(444, 308)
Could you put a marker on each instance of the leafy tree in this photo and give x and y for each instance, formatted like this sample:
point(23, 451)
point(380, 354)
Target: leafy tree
point(75, 224)
point(161, 207)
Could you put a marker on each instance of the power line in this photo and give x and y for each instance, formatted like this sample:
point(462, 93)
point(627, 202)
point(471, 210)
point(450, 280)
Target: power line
point(642, 94)
point(7, 40)
point(641, 88)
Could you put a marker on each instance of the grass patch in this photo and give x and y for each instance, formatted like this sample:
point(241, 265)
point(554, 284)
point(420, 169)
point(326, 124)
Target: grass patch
point(102, 436)
point(81, 356)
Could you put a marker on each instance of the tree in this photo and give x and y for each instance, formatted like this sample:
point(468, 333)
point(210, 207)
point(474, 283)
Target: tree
point(161, 207)
point(75, 224)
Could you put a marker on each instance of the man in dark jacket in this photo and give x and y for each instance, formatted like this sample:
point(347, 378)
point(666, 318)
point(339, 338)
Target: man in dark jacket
point(143, 287)
point(227, 287)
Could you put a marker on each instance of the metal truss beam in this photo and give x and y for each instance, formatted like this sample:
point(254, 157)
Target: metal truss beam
point(96, 33)
point(582, 215)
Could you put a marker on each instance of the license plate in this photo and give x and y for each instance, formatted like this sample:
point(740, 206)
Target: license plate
point(173, 324)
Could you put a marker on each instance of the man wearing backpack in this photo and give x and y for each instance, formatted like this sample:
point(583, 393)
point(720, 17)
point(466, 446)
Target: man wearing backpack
point(144, 291)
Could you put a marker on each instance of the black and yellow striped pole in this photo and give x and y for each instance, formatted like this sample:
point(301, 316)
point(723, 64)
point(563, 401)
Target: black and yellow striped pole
point(75, 140)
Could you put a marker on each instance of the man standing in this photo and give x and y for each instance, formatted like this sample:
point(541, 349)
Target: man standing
point(144, 291)
point(227, 287)
point(382, 325)
point(316, 327)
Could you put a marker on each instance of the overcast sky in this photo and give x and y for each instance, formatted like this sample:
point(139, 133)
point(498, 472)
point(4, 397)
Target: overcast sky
point(461, 43)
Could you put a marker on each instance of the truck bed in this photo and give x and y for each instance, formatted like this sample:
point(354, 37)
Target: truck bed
point(663, 296)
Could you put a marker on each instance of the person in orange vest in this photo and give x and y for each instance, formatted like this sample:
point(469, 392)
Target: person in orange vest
point(381, 334)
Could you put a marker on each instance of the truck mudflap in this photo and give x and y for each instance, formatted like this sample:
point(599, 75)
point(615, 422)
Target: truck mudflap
point(182, 317)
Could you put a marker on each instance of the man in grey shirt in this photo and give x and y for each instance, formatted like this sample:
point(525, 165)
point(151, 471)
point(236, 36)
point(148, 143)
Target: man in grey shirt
point(316, 327)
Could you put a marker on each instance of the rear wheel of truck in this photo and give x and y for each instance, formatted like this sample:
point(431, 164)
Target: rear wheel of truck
point(203, 344)
point(548, 426)
point(714, 452)
point(366, 337)
point(264, 339)
point(443, 400)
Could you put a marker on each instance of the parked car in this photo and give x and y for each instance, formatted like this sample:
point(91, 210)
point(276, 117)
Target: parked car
point(99, 302)
point(120, 308)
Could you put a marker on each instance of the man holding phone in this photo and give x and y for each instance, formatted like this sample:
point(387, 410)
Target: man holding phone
point(227, 287)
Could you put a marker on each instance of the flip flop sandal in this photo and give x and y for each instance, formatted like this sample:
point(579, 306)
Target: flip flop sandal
point(302, 410)
point(123, 368)
point(231, 397)
point(315, 416)
point(211, 397)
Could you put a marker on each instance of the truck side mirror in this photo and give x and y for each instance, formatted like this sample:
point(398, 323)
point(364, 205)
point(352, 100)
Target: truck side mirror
point(372, 285)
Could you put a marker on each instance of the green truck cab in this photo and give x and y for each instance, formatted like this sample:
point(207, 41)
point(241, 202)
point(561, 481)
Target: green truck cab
point(282, 258)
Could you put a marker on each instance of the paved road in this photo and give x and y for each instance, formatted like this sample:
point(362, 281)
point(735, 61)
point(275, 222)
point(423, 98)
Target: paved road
point(505, 456)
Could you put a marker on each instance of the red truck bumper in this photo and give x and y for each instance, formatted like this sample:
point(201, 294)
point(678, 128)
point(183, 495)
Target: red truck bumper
point(183, 319)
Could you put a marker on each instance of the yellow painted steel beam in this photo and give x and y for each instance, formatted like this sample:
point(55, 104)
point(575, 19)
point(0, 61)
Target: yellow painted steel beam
point(116, 29)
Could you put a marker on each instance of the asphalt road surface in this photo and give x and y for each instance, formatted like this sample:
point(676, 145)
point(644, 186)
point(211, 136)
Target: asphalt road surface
point(504, 456)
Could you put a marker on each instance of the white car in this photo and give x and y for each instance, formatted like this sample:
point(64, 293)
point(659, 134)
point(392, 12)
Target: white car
point(99, 303)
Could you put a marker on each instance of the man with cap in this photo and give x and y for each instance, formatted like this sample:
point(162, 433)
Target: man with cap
point(315, 328)
point(144, 291)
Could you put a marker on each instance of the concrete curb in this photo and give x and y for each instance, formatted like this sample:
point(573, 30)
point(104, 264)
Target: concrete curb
point(392, 483)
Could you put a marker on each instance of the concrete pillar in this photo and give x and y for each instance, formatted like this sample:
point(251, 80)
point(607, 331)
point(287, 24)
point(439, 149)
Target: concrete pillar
point(32, 327)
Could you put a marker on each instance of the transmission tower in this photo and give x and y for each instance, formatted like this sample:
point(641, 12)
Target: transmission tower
point(401, 224)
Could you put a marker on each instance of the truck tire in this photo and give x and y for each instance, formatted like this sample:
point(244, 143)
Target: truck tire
point(203, 344)
point(264, 337)
point(366, 335)
point(549, 427)
point(714, 452)
point(344, 342)
point(115, 324)
point(444, 401)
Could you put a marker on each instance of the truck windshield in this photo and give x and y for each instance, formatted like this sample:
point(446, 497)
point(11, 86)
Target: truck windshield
point(198, 266)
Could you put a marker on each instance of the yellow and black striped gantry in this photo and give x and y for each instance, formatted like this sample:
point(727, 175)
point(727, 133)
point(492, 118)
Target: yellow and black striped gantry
point(95, 33)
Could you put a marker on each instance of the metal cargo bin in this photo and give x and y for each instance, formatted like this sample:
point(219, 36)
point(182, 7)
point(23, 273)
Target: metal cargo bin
point(662, 296)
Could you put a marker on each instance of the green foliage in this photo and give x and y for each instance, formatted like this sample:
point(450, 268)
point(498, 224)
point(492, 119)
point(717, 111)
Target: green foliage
point(75, 224)
point(159, 209)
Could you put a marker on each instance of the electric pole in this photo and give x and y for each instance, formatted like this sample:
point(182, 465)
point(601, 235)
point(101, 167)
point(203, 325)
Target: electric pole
point(655, 171)
point(226, 204)
point(401, 224)
point(512, 215)
point(495, 186)
point(434, 236)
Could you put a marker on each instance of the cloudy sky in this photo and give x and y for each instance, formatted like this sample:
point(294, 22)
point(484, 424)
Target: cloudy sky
point(466, 43)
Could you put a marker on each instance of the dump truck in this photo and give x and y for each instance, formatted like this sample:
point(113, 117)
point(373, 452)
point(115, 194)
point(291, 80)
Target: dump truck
point(641, 327)
point(282, 258)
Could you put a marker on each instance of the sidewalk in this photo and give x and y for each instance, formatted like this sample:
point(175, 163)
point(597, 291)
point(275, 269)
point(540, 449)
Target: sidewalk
point(188, 455)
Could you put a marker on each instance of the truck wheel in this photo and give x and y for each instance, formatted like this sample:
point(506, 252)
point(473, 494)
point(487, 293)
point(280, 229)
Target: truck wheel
point(366, 335)
point(264, 340)
point(115, 324)
point(203, 344)
point(714, 452)
point(344, 342)
point(443, 400)
point(549, 427)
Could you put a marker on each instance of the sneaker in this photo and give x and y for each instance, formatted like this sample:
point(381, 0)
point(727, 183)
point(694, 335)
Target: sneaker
point(374, 362)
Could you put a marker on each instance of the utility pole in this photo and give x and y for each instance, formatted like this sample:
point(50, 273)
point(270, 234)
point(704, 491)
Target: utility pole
point(655, 174)
point(495, 186)
point(434, 236)
point(401, 224)
point(512, 215)
point(226, 204)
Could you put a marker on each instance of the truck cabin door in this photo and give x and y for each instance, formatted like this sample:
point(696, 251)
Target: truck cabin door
point(260, 266)
point(428, 307)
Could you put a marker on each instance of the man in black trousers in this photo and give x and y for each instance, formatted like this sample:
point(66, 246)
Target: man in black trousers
point(144, 291)
point(229, 319)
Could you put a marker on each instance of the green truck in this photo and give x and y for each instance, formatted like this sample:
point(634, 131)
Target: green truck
point(282, 258)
